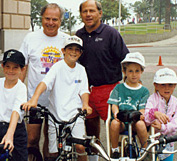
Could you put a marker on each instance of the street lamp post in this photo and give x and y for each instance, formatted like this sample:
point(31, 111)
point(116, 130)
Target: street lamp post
point(70, 22)
point(120, 2)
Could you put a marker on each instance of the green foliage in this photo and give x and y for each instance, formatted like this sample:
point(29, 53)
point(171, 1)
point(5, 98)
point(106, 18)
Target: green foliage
point(111, 10)
point(164, 9)
point(142, 9)
point(36, 6)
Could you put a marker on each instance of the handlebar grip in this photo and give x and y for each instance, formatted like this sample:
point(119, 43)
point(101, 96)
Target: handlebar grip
point(168, 139)
point(84, 112)
point(1, 146)
point(35, 109)
point(32, 109)
point(21, 107)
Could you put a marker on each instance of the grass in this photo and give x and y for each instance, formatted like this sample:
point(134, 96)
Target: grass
point(146, 28)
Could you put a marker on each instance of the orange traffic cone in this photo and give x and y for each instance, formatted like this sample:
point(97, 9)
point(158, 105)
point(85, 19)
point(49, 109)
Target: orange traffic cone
point(160, 61)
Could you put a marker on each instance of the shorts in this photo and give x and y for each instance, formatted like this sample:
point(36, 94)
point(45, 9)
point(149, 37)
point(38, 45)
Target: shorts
point(78, 131)
point(20, 152)
point(98, 100)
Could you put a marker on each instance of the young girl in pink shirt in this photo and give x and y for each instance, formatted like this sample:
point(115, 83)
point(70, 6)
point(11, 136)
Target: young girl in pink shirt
point(161, 108)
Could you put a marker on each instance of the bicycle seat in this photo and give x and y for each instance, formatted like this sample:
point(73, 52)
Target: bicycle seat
point(129, 116)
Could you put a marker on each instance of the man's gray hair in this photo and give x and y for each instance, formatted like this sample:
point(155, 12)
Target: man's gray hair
point(98, 5)
point(53, 5)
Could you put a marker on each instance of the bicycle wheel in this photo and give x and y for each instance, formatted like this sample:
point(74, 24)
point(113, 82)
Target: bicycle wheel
point(34, 154)
point(74, 156)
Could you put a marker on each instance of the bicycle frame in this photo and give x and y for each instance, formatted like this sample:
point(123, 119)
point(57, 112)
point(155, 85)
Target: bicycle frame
point(63, 139)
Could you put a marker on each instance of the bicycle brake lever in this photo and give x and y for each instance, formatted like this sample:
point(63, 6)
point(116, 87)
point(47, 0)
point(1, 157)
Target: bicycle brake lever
point(155, 135)
point(89, 137)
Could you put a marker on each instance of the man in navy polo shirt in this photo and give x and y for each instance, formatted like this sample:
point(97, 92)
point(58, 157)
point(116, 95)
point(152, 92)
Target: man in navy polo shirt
point(104, 49)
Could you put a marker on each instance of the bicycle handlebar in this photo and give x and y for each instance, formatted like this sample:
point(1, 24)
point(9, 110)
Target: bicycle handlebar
point(2, 150)
point(166, 140)
point(163, 140)
point(44, 111)
point(88, 142)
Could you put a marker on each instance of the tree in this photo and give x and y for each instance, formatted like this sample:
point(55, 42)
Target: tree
point(164, 9)
point(167, 13)
point(36, 6)
point(111, 10)
point(68, 23)
point(142, 9)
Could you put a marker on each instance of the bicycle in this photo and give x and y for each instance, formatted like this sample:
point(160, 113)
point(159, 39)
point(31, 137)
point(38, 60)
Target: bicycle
point(129, 146)
point(132, 148)
point(66, 141)
point(4, 154)
point(163, 140)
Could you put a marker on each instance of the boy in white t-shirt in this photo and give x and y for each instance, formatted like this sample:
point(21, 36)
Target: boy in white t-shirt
point(68, 86)
point(12, 94)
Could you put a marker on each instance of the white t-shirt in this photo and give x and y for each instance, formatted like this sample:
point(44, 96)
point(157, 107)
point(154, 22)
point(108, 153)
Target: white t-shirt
point(41, 52)
point(11, 99)
point(67, 86)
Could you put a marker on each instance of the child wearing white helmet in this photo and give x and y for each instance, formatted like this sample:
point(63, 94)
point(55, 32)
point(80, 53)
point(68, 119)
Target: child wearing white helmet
point(130, 95)
point(161, 107)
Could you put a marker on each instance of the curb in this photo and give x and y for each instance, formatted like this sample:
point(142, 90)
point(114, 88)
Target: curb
point(139, 46)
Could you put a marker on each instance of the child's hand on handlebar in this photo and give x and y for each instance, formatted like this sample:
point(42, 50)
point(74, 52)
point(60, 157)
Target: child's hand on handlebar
point(8, 141)
point(31, 103)
point(142, 116)
point(115, 115)
point(163, 118)
point(87, 108)
point(115, 111)
point(156, 124)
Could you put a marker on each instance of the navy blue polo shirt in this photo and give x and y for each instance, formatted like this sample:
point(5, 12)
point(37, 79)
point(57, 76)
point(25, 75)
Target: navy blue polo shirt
point(104, 49)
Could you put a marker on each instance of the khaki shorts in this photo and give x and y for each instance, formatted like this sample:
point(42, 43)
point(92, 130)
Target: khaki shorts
point(78, 131)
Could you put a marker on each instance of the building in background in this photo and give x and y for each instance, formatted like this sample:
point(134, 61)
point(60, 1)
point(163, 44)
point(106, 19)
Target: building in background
point(14, 23)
